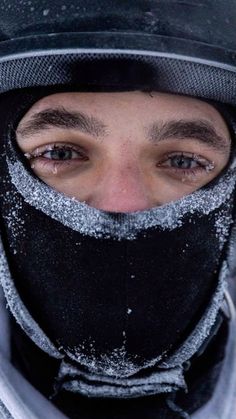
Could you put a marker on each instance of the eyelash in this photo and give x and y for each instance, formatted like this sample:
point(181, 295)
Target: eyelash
point(38, 157)
point(204, 165)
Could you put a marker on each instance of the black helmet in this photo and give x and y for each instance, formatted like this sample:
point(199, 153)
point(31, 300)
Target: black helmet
point(186, 47)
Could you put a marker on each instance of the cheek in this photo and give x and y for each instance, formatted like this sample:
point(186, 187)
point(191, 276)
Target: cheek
point(167, 187)
point(166, 190)
point(74, 184)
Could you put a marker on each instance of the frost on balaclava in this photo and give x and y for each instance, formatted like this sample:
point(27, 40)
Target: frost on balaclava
point(122, 299)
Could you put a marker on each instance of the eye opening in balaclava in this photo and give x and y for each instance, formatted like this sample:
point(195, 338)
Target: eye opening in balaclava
point(28, 96)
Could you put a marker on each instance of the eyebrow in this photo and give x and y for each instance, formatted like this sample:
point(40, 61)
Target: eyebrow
point(198, 130)
point(59, 117)
point(62, 118)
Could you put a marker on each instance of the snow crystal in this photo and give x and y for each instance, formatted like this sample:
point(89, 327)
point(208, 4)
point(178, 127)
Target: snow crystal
point(222, 224)
point(45, 12)
point(116, 363)
point(13, 217)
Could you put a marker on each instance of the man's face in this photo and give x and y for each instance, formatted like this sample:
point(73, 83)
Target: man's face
point(124, 152)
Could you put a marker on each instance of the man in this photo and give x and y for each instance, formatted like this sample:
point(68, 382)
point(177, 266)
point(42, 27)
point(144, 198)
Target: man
point(117, 211)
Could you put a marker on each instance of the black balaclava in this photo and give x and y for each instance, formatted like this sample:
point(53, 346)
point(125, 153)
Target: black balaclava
point(123, 300)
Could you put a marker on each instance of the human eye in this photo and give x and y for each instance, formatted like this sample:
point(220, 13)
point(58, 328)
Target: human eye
point(186, 165)
point(55, 157)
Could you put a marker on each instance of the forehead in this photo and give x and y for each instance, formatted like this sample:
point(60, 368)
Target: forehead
point(135, 106)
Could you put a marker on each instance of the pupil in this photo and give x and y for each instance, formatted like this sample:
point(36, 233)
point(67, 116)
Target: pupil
point(61, 154)
point(181, 162)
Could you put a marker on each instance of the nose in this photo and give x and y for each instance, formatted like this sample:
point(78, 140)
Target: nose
point(122, 190)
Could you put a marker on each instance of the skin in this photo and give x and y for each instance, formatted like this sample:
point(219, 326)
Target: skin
point(120, 169)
